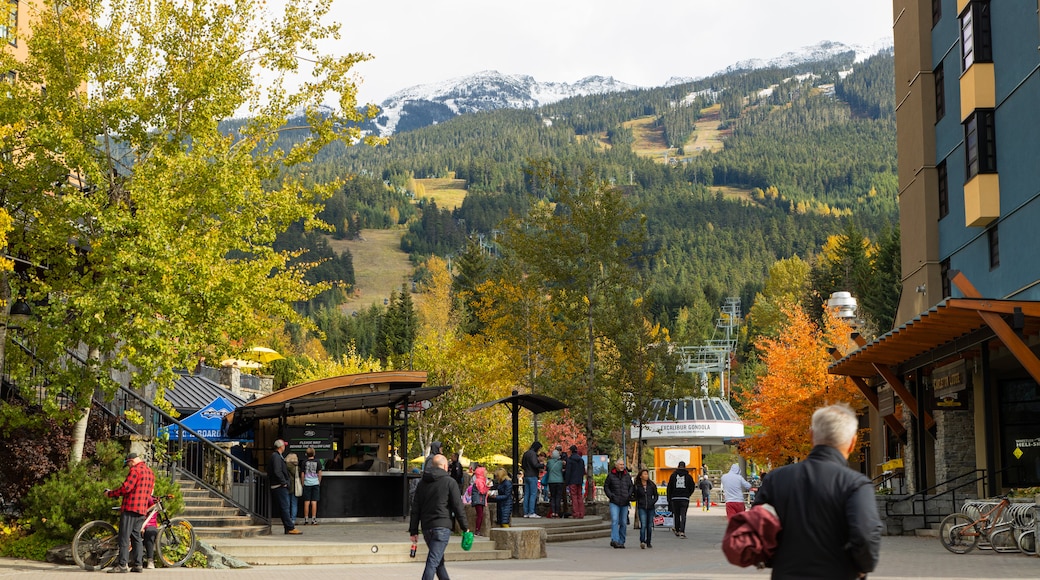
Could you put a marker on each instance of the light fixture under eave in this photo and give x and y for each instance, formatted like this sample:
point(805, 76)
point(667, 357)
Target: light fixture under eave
point(20, 310)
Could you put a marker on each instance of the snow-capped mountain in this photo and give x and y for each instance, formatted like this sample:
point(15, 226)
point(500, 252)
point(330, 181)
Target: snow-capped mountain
point(423, 105)
point(433, 103)
point(821, 51)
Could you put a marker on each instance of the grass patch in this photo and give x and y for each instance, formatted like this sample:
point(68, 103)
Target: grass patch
point(647, 140)
point(447, 193)
point(380, 267)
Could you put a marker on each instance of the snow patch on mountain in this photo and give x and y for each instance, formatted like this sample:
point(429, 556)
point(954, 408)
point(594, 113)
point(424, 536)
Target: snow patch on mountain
point(484, 91)
point(433, 103)
point(820, 51)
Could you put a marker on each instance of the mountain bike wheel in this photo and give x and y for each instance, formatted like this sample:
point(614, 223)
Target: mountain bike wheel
point(1026, 541)
point(176, 543)
point(958, 533)
point(95, 545)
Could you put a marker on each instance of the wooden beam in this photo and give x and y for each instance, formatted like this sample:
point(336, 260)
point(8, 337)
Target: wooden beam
point(1028, 308)
point(872, 398)
point(901, 390)
point(1002, 329)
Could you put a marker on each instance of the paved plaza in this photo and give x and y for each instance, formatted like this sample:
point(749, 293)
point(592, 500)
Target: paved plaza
point(695, 558)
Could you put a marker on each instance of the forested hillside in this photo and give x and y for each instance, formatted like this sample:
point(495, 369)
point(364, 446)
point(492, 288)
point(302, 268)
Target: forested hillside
point(815, 145)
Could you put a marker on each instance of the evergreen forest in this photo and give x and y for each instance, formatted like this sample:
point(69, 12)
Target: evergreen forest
point(809, 153)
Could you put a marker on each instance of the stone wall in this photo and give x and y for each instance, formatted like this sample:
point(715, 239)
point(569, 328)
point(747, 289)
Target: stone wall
point(909, 452)
point(954, 447)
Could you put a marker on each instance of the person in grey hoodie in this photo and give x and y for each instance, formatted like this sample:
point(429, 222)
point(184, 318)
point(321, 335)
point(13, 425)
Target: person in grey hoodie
point(438, 502)
point(733, 487)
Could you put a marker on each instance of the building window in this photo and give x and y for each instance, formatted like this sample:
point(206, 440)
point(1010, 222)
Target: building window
point(944, 191)
point(994, 247)
point(944, 273)
point(976, 36)
point(940, 93)
point(936, 12)
point(9, 25)
point(980, 144)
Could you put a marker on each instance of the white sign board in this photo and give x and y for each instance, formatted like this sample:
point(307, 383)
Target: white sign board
point(672, 457)
point(691, 429)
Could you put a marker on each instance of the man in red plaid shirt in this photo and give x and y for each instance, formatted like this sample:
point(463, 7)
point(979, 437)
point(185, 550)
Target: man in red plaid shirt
point(136, 492)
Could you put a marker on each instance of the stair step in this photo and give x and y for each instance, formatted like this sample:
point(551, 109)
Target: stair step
point(200, 512)
point(244, 531)
point(219, 521)
point(334, 553)
point(324, 547)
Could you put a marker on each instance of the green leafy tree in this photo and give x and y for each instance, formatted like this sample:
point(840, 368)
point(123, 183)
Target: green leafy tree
point(583, 251)
point(151, 228)
point(787, 283)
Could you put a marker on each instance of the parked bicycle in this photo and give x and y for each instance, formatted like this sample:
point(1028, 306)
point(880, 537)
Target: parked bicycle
point(96, 544)
point(960, 533)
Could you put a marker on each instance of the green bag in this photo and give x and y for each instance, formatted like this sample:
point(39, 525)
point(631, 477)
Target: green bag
point(467, 540)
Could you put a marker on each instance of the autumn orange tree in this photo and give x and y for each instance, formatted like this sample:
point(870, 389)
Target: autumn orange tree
point(778, 411)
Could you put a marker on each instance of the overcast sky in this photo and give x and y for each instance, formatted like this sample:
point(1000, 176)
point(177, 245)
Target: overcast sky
point(642, 42)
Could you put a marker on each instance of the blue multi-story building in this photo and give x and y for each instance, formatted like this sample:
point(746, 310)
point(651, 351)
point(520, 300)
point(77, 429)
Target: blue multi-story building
point(954, 386)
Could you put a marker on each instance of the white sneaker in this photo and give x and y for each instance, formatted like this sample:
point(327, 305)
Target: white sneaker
point(150, 565)
point(536, 516)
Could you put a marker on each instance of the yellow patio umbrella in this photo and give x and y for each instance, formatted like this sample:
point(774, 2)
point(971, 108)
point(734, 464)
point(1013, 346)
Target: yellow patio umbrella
point(496, 459)
point(465, 461)
point(262, 354)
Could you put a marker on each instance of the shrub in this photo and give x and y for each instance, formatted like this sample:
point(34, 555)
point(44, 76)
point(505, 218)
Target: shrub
point(69, 498)
point(17, 542)
point(74, 496)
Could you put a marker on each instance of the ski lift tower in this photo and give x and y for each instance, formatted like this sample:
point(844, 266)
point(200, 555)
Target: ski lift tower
point(715, 357)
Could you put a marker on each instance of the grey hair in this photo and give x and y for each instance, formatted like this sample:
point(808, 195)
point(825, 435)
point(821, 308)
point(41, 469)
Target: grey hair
point(834, 425)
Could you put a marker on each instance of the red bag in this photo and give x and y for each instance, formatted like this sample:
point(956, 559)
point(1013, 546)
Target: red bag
point(750, 537)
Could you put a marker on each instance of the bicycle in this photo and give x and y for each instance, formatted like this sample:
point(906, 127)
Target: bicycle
point(959, 533)
point(96, 544)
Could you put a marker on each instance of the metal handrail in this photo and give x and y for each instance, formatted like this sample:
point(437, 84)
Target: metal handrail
point(980, 475)
point(204, 462)
point(198, 460)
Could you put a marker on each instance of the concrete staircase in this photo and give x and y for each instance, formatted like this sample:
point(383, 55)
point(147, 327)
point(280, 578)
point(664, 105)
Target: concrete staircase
point(567, 529)
point(291, 552)
point(212, 517)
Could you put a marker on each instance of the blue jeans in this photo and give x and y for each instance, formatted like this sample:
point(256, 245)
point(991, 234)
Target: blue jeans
point(530, 495)
point(294, 507)
point(280, 506)
point(618, 523)
point(436, 542)
point(646, 524)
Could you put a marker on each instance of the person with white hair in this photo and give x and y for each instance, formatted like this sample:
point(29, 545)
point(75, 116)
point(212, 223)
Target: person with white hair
point(829, 514)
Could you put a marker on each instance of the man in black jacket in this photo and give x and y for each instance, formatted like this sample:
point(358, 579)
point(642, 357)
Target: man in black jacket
point(574, 478)
point(680, 487)
point(280, 480)
point(532, 467)
point(619, 490)
point(437, 502)
point(831, 526)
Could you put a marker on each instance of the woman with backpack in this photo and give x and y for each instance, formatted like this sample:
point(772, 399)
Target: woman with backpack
point(478, 493)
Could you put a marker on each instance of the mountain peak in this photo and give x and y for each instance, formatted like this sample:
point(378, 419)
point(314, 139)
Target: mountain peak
point(488, 90)
point(481, 91)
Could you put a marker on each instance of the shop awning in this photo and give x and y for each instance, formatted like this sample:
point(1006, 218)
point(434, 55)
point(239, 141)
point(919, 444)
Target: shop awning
point(953, 322)
point(244, 417)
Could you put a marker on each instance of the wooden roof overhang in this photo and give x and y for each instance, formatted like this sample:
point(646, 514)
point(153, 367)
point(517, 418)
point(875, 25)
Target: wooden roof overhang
point(946, 329)
point(321, 396)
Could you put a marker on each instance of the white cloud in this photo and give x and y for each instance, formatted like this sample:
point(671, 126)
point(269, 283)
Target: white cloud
point(642, 43)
